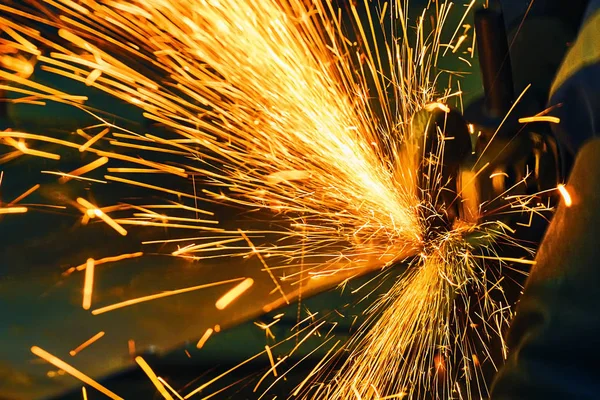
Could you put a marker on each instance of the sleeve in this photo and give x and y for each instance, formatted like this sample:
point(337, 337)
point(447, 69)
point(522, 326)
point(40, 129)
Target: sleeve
point(554, 340)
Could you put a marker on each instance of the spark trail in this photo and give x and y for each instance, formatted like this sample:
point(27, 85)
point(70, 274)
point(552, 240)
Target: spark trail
point(277, 108)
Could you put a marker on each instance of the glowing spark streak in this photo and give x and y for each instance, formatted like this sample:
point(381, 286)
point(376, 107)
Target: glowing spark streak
point(84, 393)
point(163, 167)
point(88, 284)
point(149, 148)
point(131, 347)
point(10, 156)
point(93, 140)
point(85, 344)
point(541, 118)
point(136, 171)
point(264, 265)
point(91, 78)
point(13, 210)
point(182, 206)
point(461, 39)
point(26, 150)
point(182, 239)
point(234, 293)
point(160, 296)
point(267, 328)
point(170, 388)
point(25, 194)
point(565, 195)
point(146, 368)
point(305, 338)
point(460, 24)
point(506, 259)
point(287, 176)
point(204, 338)
point(272, 369)
point(60, 95)
point(24, 42)
point(502, 123)
point(76, 40)
point(81, 133)
point(465, 60)
point(85, 169)
point(441, 106)
point(271, 360)
point(192, 248)
point(57, 362)
point(170, 218)
point(107, 260)
point(167, 225)
point(315, 369)
point(148, 186)
point(100, 214)
point(41, 138)
point(301, 360)
point(69, 176)
point(203, 386)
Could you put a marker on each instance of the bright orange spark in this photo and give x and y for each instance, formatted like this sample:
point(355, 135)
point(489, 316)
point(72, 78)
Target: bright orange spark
point(105, 260)
point(100, 214)
point(13, 210)
point(271, 360)
point(25, 194)
point(87, 343)
point(88, 284)
point(540, 118)
point(146, 368)
point(160, 296)
point(131, 347)
point(566, 196)
point(204, 338)
point(93, 140)
point(57, 362)
point(26, 150)
point(164, 382)
point(85, 169)
point(234, 293)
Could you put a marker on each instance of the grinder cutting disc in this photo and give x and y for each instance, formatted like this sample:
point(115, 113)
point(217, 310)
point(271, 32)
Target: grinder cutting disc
point(445, 142)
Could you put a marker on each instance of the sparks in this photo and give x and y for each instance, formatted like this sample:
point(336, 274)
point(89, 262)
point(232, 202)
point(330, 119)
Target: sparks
point(88, 284)
point(87, 343)
point(234, 293)
point(566, 196)
point(286, 115)
point(57, 362)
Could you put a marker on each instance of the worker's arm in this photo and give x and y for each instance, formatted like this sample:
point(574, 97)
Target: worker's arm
point(554, 341)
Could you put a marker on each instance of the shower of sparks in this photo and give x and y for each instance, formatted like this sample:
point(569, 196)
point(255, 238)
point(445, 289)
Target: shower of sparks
point(279, 110)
